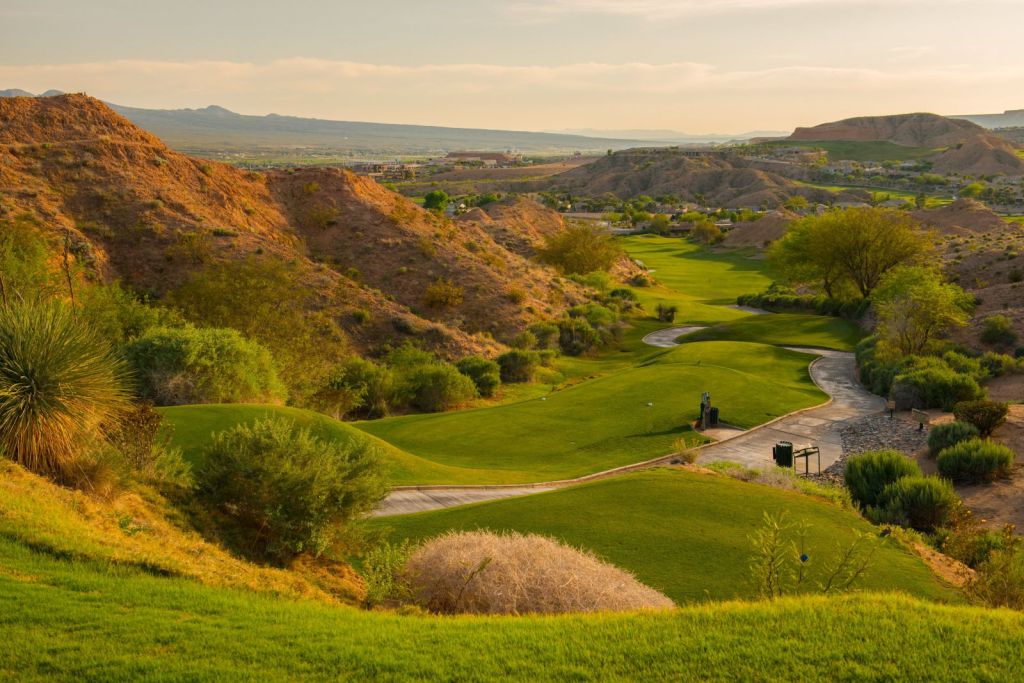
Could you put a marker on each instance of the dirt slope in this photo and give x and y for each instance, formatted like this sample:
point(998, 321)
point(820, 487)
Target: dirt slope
point(912, 130)
point(138, 211)
point(768, 228)
point(719, 181)
point(980, 155)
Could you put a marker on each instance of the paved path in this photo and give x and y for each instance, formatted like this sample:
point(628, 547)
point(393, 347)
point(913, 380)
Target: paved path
point(667, 337)
point(833, 372)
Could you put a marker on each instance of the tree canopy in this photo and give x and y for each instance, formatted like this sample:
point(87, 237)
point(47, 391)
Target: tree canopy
point(914, 307)
point(850, 250)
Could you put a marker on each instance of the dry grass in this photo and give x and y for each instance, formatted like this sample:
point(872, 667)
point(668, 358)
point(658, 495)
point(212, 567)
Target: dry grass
point(136, 529)
point(480, 572)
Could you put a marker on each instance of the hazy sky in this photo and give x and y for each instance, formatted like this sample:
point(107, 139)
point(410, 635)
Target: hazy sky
point(699, 66)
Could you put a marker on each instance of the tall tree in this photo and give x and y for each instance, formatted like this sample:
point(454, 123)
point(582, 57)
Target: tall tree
point(914, 307)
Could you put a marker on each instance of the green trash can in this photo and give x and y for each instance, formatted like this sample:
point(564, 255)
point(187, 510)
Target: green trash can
point(782, 454)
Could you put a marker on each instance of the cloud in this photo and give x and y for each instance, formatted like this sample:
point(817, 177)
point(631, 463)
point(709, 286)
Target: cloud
point(692, 95)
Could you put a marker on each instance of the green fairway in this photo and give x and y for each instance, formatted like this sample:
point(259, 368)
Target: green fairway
point(881, 194)
point(785, 329)
point(684, 533)
point(867, 150)
point(190, 428)
point(65, 620)
point(605, 422)
point(700, 282)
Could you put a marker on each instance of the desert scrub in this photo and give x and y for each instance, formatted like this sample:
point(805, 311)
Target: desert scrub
point(59, 383)
point(479, 572)
point(443, 293)
point(944, 435)
point(867, 474)
point(286, 491)
point(975, 460)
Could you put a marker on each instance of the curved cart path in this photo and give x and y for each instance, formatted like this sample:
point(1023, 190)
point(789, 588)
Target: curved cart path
point(832, 371)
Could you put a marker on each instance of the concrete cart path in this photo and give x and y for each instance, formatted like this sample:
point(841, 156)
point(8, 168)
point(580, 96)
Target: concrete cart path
point(832, 371)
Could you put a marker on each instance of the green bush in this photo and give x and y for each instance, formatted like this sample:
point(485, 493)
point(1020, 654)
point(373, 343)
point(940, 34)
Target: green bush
point(524, 340)
point(286, 491)
point(997, 330)
point(869, 473)
point(945, 435)
point(576, 336)
point(922, 503)
point(146, 448)
point(580, 250)
point(545, 333)
point(180, 365)
point(932, 384)
point(486, 374)
point(987, 416)
point(998, 364)
point(443, 293)
point(517, 366)
point(975, 461)
point(438, 387)
point(356, 385)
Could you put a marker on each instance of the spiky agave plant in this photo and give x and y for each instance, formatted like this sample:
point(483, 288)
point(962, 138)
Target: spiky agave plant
point(59, 383)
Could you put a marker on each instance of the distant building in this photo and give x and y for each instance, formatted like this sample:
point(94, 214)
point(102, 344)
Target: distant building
point(491, 159)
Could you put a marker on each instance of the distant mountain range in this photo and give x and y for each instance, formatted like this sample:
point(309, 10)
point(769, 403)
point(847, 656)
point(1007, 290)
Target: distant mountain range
point(215, 128)
point(1011, 118)
point(673, 136)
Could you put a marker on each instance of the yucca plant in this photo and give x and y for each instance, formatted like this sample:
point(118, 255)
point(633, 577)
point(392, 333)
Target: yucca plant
point(59, 384)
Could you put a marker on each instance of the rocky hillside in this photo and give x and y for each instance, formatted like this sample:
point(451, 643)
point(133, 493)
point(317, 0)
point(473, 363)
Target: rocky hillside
point(138, 211)
point(717, 180)
point(967, 148)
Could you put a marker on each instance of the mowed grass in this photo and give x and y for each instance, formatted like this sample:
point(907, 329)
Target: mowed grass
point(785, 329)
point(66, 620)
point(881, 194)
point(700, 282)
point(685, 533)
point(867, 150)
point(619, 419)
point(191, 427)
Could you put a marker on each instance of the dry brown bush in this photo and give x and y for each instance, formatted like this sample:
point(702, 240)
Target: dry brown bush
point(481, 572)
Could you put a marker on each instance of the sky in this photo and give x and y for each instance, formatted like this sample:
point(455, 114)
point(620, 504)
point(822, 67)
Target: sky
point(699, 66)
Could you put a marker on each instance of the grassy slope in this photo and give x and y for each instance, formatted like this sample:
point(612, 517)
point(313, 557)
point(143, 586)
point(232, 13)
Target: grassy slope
point(699, 282)
point(867, 150)
point(87, 621)
point(785, 329)
point(884, 193)
point(606, 422)
point(684, 533)
point(191, 426)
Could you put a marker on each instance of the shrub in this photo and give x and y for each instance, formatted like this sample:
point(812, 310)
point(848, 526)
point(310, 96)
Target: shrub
point(479, 572)
point(287, 491)
point(148, 452)
point(998, 364)
point(987, 416)
point(934, 385)
point(975, 460)
point(580, 249)
point(945, 435)
point(524, 340)
point(665, 313)
point(922, 503)
point(59, 382)
point(576, 336)
point(356, 384)
point(517, 366)
point(999, 581)
point(869, 473)
point(997, 330)
point(438, 387)
point(443, 293)
point(545, 333)
point(182, 365)
point(383, 571)
point(486, 374)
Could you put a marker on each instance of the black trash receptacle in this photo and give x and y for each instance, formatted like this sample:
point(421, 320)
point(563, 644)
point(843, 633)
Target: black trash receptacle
point(713, 415)
point(782, 454)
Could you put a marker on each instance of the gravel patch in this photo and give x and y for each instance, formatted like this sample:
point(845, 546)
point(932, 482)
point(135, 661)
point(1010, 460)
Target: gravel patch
point(873, 433)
